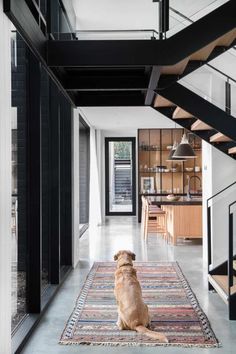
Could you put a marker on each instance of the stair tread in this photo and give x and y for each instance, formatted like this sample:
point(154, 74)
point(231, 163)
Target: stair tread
point(222, 281)
point(176, 69)
point(219, 137)
point(232, 150)
point(200, 125)
point(180, 113)
point(162, 102)
point(227, 38)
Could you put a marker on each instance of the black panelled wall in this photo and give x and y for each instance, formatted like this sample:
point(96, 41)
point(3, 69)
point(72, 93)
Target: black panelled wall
point(65, 183)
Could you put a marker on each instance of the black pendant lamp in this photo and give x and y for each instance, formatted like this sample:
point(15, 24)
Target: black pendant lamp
point(184, 149)
point(172, 152)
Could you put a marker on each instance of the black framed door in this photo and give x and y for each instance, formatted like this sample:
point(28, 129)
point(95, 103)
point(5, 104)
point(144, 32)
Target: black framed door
point(120, 179)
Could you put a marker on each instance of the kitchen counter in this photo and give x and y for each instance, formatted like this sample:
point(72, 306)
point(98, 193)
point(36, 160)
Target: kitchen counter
point(183, 217)
point(158, 200)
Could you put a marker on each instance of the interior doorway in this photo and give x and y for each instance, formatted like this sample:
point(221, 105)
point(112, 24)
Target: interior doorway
point(120, 182)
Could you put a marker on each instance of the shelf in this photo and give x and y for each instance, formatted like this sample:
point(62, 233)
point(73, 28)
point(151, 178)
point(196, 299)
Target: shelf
point(161, 172)
point(153, 150)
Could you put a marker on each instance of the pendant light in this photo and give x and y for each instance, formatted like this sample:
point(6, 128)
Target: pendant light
point(172, 151)
point(184, 149)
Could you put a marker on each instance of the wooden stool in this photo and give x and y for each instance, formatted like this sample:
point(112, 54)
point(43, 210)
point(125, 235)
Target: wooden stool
point(153, 220)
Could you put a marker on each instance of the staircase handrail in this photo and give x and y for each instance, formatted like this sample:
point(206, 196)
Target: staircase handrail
point(211, 66)
point(220, 192)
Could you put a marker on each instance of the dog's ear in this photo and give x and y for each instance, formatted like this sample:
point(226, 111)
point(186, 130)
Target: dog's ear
point(116, 256)
point(133, 256)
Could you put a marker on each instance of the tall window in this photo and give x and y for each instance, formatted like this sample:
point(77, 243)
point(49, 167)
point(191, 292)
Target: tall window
point(19, 154)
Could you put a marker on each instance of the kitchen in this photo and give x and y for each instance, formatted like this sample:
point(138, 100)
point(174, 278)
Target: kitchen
point(171, 183)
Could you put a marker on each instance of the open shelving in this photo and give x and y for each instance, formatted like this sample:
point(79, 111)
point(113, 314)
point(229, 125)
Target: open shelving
point(156, 175)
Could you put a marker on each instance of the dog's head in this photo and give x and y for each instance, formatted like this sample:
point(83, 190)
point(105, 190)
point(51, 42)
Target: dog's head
point(124, 257)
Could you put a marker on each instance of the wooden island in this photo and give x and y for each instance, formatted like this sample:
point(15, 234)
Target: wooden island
point(184, 217)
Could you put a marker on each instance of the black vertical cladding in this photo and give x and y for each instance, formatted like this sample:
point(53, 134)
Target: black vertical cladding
point(55, 184)
point(46, 199)
point(34, 205)
point(65, 183)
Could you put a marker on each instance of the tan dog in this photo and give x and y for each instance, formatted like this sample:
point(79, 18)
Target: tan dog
point(132, 311)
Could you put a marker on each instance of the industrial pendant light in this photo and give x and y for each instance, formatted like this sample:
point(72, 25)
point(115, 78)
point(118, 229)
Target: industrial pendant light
point(172, 151)
point(184, 150)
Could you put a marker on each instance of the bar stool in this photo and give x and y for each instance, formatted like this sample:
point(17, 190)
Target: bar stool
point(153, 220)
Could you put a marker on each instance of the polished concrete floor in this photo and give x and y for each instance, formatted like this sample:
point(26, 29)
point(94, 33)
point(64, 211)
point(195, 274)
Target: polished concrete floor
point(100, 244)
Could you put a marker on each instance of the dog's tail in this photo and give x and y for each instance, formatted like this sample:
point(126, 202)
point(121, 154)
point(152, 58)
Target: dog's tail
point(152, 334)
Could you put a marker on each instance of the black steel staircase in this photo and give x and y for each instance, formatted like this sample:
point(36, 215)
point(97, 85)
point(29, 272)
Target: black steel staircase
point(198, 115)
point(138, 72)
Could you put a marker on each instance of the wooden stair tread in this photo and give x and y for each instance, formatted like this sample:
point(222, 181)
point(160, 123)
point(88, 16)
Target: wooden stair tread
point(222, 281)
point(199, 125)
point(180, 113)
point(232, 150)
point(176, 69)
point(204, 53)
point(227, 38)
point(162, 102)
point(219, 138)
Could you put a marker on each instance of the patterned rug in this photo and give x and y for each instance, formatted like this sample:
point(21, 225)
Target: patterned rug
point(173, 307)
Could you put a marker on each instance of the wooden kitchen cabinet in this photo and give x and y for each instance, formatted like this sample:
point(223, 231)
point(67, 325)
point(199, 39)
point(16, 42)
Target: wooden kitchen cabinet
point(183, 221)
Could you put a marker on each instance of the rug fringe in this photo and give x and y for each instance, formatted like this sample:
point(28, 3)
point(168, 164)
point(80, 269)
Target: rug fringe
point(136, 344)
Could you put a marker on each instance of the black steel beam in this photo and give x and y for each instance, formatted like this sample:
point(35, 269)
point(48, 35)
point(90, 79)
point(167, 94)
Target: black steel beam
point(199, 107)
point(153, 82)
point(144, 52)
point(110, 98)
point(100, 82)
point(21, 16)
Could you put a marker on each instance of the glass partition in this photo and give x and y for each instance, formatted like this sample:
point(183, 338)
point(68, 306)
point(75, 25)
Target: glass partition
point(183, 14)
point(210, 84)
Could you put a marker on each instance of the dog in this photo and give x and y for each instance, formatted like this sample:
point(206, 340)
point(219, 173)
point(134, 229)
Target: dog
point(132, 311)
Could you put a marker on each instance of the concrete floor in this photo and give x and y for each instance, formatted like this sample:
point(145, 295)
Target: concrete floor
point(100, 244)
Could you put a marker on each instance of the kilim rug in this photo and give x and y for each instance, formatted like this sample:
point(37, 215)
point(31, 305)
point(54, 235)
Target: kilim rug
point(173, 307)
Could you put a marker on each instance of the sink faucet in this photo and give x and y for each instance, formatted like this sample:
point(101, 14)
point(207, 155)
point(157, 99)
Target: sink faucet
point(189, 180)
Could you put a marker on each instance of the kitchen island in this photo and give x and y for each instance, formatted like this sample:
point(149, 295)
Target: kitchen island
point(184, 216)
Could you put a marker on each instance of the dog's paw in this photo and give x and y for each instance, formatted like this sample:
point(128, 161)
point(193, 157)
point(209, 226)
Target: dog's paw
point(163, 339)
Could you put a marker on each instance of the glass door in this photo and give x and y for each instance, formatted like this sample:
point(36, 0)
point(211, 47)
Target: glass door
point(120, 176)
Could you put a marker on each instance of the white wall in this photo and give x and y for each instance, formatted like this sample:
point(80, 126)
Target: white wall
point(5, 184)
point(219, 171)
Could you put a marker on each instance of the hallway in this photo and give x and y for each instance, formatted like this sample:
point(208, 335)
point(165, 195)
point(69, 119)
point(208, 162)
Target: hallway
point(100, 244)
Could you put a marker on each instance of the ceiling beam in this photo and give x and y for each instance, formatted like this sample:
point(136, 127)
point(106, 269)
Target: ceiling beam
point(99, 83)
point(112, 98)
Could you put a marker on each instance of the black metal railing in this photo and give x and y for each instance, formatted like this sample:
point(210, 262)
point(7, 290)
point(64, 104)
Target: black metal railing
point(226, 268)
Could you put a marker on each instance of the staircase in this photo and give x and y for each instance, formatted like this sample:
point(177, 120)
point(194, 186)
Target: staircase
point(123, 178)
point(194, 113)
point(172, 73)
